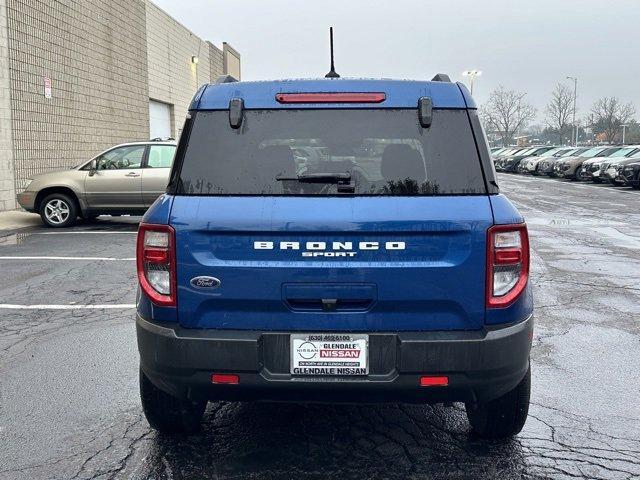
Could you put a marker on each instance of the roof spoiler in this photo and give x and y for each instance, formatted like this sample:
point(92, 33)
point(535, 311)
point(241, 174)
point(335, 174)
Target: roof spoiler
point(441, 77)
point(226, 79)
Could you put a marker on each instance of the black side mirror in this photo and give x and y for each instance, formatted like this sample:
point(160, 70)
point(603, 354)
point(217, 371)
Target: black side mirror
point(425, 111)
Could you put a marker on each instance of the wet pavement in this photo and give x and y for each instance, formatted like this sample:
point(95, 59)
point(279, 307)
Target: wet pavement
point(69, 405)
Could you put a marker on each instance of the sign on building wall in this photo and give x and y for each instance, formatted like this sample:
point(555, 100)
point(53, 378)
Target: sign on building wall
point(48, 92)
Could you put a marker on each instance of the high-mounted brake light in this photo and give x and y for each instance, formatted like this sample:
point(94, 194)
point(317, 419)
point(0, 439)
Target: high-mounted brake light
point(156, 262)
point(341, 97)
point(507, 264)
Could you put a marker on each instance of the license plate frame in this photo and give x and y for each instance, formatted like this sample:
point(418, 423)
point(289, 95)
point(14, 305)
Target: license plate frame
point(329, 354)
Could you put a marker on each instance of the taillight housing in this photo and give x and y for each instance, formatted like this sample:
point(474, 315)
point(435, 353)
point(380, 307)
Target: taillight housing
point(507, 264)
point(156, 262)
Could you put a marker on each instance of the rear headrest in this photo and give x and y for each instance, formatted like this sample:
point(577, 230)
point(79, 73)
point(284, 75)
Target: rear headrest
point(400, 162)
point(276, 160)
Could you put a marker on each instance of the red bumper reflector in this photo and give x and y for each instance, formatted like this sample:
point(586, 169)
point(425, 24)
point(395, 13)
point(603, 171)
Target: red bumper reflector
point(434, 381)
point(331, 97)
point(225, 378)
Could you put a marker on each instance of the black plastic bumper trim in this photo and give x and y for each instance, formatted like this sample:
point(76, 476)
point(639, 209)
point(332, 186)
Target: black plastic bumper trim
point(481, 365)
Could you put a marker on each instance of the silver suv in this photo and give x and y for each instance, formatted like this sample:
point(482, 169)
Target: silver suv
point(126, 179)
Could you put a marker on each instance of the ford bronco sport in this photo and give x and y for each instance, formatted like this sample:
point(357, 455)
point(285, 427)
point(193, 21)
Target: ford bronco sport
point(383, 267)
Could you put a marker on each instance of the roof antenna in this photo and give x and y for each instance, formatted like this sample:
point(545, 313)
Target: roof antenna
point(332, 73)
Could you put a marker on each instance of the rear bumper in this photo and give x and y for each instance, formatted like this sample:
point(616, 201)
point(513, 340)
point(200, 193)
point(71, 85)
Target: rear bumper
point(481, 365)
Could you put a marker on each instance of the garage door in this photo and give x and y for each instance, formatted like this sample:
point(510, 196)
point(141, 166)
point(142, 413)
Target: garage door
point(159, 119)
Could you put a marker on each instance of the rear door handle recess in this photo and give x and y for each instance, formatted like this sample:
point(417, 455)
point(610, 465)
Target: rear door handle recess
point(329, 297)
point(133, 174)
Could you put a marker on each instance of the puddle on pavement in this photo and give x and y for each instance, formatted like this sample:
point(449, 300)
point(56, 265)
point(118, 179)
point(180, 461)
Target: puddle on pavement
point(13, 239)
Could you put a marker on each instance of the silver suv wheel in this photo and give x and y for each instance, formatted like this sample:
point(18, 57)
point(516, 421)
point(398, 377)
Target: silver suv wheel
point(57, 211)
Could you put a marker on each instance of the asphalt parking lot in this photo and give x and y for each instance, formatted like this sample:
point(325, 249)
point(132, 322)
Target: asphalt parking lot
point(69, 403)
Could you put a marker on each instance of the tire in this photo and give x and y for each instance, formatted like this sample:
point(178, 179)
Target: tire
point(577, 175)
point(166, 413)
point(58, 210)
point(503, 417)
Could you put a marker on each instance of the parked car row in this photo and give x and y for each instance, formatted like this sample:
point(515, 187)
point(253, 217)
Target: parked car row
point(615, 164)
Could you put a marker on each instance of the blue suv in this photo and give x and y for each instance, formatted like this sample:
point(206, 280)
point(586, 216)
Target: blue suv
point(334, 240)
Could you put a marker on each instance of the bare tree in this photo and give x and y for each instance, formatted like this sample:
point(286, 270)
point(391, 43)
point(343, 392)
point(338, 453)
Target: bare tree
point(559, 111)
point(609, 114)
point(505, 113)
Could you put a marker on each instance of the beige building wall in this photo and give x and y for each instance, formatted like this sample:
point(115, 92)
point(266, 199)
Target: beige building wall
point(174, 74)
point(217, 63)
point(94, 53)
point(77, 77)
point(7, 189)
point(231, 61)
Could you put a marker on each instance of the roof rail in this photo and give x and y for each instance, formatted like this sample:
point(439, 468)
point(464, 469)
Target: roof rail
point(226, 79)
point(441, 77)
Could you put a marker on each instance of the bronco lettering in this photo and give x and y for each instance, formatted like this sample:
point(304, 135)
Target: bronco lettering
point(327, 249)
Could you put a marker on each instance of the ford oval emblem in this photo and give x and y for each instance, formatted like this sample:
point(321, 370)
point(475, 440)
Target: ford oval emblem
point(205, 282)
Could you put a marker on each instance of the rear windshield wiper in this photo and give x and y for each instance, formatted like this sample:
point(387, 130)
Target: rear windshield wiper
point(339, 178)
point(343, 180)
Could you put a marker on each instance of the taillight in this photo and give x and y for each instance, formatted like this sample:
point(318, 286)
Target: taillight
point(507, 264)
point(156, 261)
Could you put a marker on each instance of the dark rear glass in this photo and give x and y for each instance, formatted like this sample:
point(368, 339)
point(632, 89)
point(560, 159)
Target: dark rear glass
point(385, 152)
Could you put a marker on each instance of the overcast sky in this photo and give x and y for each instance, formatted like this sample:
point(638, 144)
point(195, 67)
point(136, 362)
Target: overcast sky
point(527, 46)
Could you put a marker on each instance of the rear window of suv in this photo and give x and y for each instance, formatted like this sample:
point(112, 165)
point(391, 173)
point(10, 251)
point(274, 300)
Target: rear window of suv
point(385, 152)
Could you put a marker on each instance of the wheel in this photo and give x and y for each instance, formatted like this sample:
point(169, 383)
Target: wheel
point(578, 174)
point(166, 413)
point(503, 417)
point(58, 210)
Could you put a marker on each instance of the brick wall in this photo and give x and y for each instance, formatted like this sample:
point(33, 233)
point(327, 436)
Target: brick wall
point(173, 77)
point(7, 190)
point(95, 54)
point(104, 60)
point(216, 65)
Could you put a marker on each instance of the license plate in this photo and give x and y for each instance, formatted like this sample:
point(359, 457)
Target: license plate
point(332, 354)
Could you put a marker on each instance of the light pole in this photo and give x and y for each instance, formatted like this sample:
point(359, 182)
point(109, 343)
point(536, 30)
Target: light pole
point(575, 95)
point(624, 129)
point(473, 74)
point(519, 118)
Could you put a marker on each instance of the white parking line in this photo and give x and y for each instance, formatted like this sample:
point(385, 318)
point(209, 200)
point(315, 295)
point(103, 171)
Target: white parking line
point(101, 232)
point(102, 259)
point(123, 306)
